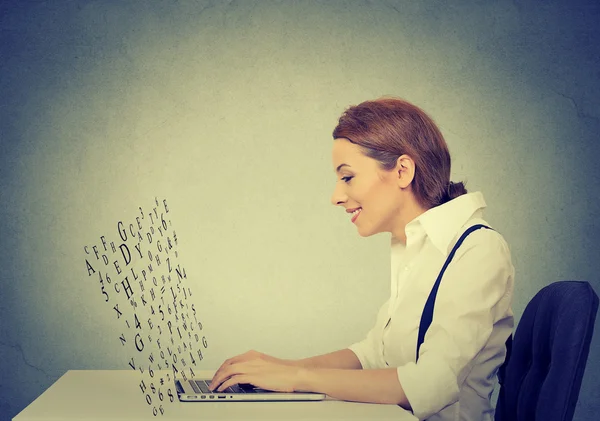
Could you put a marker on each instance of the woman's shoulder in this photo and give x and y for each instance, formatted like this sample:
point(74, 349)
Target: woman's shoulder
point(485, 238)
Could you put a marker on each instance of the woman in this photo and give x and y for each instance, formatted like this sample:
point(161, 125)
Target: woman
point(393, 169)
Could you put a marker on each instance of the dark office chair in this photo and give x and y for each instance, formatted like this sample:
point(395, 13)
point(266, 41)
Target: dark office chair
point(541, 379)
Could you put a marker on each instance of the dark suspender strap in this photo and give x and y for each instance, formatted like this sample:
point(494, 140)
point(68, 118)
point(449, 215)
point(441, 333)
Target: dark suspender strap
point(427, 315)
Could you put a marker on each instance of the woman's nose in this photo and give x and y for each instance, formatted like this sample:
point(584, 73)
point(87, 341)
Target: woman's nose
point(338, 197)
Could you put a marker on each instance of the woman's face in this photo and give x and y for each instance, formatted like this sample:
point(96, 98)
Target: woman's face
point(373, 197)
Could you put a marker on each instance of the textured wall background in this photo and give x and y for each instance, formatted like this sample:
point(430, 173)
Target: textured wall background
point(225, 108)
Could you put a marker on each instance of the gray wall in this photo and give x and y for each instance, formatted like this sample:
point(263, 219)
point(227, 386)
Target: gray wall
point(226, 109)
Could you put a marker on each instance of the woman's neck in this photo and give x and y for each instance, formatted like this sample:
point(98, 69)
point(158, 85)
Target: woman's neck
point(410, 212)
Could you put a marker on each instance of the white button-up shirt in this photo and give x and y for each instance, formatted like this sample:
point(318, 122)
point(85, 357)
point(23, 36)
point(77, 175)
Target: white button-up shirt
point(456, 371)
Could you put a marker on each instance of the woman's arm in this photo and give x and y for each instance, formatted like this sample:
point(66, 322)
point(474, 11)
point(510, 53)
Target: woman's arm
point(342, 359)
point(371, 386)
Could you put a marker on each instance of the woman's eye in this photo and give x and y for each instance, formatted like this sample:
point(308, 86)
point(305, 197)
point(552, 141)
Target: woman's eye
point(346, 179)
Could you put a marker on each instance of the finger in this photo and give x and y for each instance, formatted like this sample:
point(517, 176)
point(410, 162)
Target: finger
point(247, 356)
point(240, 373)
point(237, 379)
point(217, 380)
point(224, 375)
point(219, 373)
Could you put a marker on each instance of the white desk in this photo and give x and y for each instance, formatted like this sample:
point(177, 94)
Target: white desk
point(95, 395)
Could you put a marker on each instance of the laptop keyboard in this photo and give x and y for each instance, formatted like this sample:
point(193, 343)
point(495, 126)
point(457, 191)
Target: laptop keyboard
point(201, 386)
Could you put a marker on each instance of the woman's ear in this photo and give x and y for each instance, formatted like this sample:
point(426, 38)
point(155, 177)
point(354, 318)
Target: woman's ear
point(405, 169)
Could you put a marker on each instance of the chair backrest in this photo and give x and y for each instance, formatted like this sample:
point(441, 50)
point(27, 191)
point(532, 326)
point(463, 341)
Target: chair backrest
point(551, 344)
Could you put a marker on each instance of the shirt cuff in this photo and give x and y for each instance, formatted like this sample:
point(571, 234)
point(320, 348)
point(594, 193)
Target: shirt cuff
point(428, 388)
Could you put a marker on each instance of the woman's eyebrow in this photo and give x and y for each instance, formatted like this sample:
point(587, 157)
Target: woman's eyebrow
point(340, 166)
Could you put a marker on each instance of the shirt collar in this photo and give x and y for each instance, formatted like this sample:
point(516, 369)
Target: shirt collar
point(443, 223)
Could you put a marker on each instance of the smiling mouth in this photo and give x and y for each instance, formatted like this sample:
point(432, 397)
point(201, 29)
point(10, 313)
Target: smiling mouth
point(355, 214)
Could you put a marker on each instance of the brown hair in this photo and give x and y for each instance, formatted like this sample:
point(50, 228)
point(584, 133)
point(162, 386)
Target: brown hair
point(387, 128)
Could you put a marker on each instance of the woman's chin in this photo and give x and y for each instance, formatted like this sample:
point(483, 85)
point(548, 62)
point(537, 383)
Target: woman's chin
point(368, 231)
point(365, 233)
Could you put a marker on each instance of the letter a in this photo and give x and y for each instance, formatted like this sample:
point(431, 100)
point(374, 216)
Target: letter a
point(89, 267)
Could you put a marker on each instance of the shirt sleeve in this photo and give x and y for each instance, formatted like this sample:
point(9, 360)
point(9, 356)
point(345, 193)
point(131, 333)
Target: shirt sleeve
point(475, 294)
point(368, 351)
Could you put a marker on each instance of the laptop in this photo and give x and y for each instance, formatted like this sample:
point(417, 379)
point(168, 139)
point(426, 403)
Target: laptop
point(196, 390)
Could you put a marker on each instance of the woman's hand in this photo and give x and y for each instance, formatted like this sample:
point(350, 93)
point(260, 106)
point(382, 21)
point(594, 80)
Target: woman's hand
point(259, 369)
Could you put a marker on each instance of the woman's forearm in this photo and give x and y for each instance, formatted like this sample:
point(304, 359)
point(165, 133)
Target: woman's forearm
point(339, 375)
point(344, 359)
point(373, 386)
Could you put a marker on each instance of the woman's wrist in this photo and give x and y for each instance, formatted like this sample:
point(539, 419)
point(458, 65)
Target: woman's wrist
point(303, 375)
point(293, 363)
